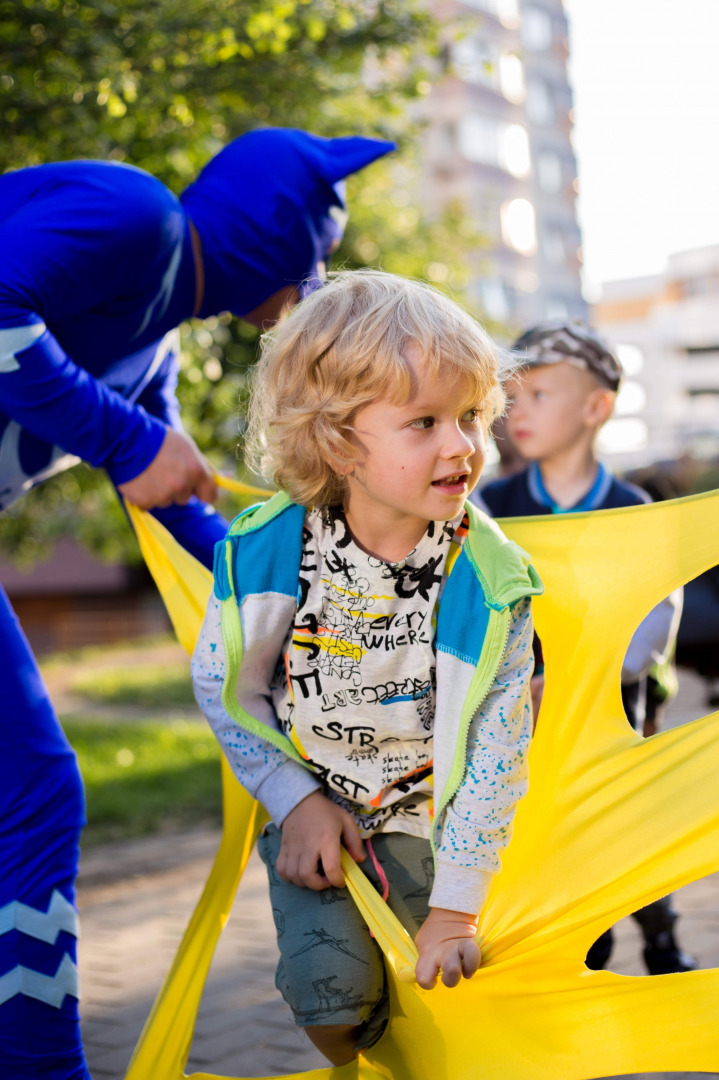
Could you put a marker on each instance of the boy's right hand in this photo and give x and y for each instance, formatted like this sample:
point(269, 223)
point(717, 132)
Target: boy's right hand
point(311, 837)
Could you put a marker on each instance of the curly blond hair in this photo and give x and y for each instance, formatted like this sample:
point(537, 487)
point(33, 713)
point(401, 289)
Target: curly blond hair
point(341, 349)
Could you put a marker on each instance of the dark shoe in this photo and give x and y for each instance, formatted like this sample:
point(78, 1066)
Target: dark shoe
point(663, 956)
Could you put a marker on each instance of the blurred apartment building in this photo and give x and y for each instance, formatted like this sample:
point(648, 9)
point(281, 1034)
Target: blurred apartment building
point(499, 140)
point(667, 331)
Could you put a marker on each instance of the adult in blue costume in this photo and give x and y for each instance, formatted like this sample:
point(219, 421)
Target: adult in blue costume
point(99, 263)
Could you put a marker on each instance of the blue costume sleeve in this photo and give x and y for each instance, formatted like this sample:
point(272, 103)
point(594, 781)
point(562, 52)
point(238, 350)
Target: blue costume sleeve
point(91, 252)
point(196, 526)
point(49, 395)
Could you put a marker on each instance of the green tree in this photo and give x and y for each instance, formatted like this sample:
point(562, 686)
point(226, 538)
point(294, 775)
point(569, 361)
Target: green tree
point(164, 86)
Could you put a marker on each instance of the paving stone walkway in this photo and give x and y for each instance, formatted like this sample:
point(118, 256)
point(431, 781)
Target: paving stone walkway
point(130, 932)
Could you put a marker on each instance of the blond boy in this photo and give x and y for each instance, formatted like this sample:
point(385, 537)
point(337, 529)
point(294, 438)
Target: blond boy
point(366, 656)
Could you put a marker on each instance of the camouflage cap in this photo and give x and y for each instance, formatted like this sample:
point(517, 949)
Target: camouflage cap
point(569, 342)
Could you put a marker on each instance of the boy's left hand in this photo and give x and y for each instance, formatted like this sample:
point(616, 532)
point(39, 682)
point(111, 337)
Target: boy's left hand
point(446, 943)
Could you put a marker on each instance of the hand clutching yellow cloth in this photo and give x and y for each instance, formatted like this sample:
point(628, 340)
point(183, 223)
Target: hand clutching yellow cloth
point(611, 822)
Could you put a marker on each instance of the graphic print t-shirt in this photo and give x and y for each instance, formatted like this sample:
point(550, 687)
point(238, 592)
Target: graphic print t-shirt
point(354, 687)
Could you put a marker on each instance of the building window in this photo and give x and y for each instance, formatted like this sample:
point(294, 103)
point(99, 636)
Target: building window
point(514, 150)
point(632, 398)
point(487, 141)
point(479, 139)
point(519, 230)
point(475, 61)
point(553, 247)
point(540, 103)
point(507, 11)
point(480, 62)
point(549, 172)
point(511, 77)
point(710, 351)
point(536, 29)
point(485, 214)
point(704, 403)
point(631, 359)
point(701, 285)
point(622, 435)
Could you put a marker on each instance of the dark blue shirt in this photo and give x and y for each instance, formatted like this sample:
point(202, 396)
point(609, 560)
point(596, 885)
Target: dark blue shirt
point(524, 495)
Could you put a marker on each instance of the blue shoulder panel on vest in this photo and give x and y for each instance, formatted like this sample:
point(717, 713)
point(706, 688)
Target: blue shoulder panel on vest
point(219, 570)
point(268, 559)
point(463, 614)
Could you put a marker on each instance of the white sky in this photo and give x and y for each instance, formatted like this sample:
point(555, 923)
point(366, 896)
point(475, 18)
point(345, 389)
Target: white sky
point(645, 75)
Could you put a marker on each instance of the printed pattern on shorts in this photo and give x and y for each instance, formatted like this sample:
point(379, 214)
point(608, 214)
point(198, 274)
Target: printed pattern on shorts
point(330, 970)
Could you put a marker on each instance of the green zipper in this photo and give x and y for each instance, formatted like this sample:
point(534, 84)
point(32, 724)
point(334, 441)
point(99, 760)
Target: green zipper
point(232, 639)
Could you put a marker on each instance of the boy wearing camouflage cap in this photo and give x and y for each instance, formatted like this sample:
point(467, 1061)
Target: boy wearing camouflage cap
point(562, 394)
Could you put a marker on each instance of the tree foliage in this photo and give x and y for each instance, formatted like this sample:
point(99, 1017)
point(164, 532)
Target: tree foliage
point(164, 85)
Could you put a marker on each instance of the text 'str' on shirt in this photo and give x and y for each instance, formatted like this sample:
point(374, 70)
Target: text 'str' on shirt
point(355, 684)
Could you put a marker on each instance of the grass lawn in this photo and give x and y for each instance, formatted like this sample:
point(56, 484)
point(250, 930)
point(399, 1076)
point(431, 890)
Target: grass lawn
point(89, 654)
point(153, 686)
point(143, 776)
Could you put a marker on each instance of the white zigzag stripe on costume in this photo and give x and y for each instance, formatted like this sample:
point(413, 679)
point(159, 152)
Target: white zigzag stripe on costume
point(43, 925)
point(51, 989)
point(16, 339)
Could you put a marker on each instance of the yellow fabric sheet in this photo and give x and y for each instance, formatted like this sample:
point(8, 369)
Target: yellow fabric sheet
point(611, 822)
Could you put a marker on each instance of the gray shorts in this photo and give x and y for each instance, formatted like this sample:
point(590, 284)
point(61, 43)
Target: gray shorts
point(331, 971)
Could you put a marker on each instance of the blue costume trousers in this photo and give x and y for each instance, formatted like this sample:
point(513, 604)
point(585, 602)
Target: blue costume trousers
point(42, 813)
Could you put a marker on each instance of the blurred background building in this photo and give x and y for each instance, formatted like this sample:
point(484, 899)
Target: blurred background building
point(667, 330)
point(73, 599)
point(498, 140)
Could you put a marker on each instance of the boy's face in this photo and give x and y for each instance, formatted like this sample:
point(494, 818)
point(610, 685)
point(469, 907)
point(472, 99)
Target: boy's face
point(553, 408)
point(419, 460)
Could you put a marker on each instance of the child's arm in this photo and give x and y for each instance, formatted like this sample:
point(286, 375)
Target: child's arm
point(654, 638)
point(269, 775)
point(311, 837)
point(478, 820)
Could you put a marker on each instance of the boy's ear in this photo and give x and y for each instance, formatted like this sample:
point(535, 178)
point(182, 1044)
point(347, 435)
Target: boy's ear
point(599, 406)
point(337, 461)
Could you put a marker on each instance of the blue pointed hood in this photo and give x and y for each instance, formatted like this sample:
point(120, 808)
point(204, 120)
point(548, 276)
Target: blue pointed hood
point(269, 208)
